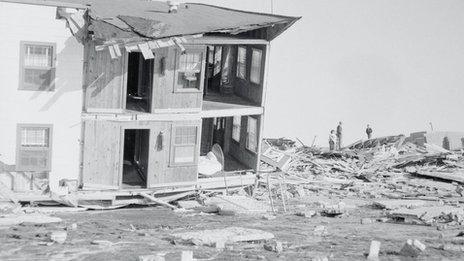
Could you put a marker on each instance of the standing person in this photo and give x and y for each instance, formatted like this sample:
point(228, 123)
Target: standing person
point(369, 132)
point(339, 136)
point(332, 140)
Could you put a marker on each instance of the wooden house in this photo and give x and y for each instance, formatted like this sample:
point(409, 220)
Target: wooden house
point(125, 95)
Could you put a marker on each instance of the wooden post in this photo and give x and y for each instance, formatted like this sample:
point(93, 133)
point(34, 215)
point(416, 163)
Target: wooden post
point(283, 196)
point(270, 193)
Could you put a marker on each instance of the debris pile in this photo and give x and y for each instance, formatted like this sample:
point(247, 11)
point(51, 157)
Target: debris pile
point(383, 168)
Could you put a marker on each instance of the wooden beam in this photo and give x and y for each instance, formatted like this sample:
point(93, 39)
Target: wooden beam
point(214, 40)
point(232, 110)
point(157, 201)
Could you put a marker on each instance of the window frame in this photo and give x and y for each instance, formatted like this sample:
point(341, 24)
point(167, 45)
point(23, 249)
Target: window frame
point(242, 64)
point(20, 148)
point(22, 86)
point(195, 146)
point(190, 49)
point(239, 128)
point(260, 73)
point(247, 145)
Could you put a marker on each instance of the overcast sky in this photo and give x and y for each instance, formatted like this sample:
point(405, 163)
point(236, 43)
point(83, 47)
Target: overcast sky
point(396, 64)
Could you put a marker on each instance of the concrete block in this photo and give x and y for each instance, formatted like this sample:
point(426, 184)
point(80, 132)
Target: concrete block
point(58, 236)
point(374, 250)
point(186, 256)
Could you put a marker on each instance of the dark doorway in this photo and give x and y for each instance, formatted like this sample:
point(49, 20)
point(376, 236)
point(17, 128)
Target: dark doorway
point(213, 69)
point(136, 148)
point(139, 83)
point(212, 132)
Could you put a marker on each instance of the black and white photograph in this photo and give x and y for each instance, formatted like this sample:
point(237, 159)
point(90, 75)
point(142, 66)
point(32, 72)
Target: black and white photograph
point(154, 130)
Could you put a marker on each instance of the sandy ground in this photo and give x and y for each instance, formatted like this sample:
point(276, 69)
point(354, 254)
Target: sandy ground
point(346, 239)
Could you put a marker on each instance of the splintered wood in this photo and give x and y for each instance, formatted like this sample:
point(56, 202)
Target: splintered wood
point(387, 171)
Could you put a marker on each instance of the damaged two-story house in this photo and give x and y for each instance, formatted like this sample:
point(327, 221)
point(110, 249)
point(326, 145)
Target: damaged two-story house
point(117, 95)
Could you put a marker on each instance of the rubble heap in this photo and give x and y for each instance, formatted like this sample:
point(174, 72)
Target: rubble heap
point(380, 168)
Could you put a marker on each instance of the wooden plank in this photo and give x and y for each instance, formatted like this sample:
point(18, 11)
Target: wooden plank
point(117, 51)
point(112, 52)
point(457, 176)
point(157, 201)
point(146, 52)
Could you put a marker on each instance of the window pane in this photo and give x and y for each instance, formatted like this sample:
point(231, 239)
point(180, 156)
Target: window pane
point(190, 70)
point(184, 154)
point(34, 159)
point(34, 137)
point(38, 55)
point(255, 73)
point(252, 139)
point(217, 60)
point(39, 78)
point(186, 135)
point(236, 128)
point(252, 124)
point(241, 62)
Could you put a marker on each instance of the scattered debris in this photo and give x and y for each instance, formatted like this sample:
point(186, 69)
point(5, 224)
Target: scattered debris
point(227, 235)
point(268, 217)
point(33, 218)
point(274, 246)
point(412, 248)
point(367, 221)
point(58, 236)
point(320, 231)
point(230, 205)
point(102, 242)
point(429, 215)
point(189, 204)
point(306, 214)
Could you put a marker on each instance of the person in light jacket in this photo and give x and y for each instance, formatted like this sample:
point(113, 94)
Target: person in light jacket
point(332, 140)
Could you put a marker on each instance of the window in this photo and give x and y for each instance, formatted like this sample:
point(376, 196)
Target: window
point(37, 72)
point(252, 134)
point(255, 73)
point(236, 125)
point(241, 62)
point(217, 60)
point(189, 70)
point(184, 145)
point(33, 147)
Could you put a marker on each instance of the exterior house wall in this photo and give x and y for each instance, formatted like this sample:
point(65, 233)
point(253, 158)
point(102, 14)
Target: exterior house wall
point(61, 107)
point(104, 80)
point(104, 149)
point(165, 96)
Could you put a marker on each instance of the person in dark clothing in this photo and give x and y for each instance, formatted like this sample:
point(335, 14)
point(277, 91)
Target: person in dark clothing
point(369, 132)
point(339, 136)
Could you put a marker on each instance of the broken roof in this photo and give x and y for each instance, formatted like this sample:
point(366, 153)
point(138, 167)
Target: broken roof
point(112, 20)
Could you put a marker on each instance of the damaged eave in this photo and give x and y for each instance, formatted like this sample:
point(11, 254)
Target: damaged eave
point(47, 3)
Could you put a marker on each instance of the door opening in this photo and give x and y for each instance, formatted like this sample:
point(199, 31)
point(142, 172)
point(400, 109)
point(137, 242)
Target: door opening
point(136, 149)
point(139, 83)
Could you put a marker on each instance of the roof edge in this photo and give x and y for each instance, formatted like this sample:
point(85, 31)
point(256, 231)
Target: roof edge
point(249, 12)
point(46, 3)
